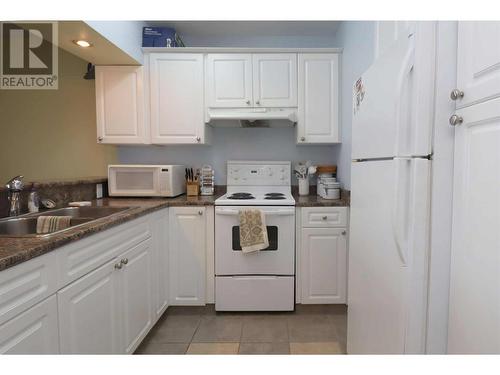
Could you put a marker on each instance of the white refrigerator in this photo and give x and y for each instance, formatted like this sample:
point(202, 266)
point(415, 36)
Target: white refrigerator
point(390, 198)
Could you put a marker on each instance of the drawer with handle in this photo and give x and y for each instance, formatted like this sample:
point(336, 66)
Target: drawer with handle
point(324, 217)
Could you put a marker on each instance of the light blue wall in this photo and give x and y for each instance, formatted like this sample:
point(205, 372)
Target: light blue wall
point(231, 144)
point(357, 38)
point(127, 35)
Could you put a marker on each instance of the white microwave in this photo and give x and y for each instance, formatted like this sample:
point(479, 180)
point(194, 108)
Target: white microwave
point(144, 180)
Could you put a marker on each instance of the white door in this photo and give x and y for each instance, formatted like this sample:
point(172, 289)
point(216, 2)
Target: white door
point(229, 80)
point(187, 233)
point(474, 310)
point(120, 105)
point(318, 99)
point(136, 284)
point(275, 79)
point(323, 265)
point(478, 66)
point(90, 313)
point(176, 95)
point(34, 331)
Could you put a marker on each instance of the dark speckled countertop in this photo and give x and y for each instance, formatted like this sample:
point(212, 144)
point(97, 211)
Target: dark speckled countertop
point(17, 250)
point(313, 200)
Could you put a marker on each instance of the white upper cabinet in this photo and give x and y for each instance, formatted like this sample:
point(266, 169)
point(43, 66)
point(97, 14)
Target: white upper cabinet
point(176, 96)
point(229, 80)
point(275, 79)
point(478, 68)
point(318, 105)
point(120, 105)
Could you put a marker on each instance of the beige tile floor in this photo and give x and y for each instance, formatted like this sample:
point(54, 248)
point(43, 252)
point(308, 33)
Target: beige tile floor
point(310, 329)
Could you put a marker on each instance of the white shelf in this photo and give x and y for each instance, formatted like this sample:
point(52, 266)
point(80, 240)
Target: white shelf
point(238, 50)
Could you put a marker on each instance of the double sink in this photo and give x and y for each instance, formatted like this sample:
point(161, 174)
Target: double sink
point(25, 225)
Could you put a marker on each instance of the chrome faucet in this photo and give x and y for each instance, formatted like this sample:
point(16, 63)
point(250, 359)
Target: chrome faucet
point(15, 187)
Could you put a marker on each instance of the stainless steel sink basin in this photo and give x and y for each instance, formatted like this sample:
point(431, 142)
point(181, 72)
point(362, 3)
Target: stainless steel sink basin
point(25, 225)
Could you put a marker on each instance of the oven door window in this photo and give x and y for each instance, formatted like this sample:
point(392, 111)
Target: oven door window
point(272, 235)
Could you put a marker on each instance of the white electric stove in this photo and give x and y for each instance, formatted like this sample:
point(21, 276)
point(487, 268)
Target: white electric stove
point(264, 280)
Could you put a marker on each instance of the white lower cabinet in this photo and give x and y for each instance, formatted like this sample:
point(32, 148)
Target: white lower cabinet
point(323, 269)
point(135, 287)
point(322, 256)
point(111, 288)
point(159, 238)
point(32, 332)
point(89, 313)
point(187, 244)
point(110, 310)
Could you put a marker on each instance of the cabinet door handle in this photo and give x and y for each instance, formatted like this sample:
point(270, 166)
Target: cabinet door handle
point(344, 232)
point(118, 266)
point(325, 217)
point(200, 212)
point(248, 102)
point(257, 102)
point(456, 94)
point(198, 139)
point(302, 139)
point(99, 139)
point(456, 120)
point(124, 261)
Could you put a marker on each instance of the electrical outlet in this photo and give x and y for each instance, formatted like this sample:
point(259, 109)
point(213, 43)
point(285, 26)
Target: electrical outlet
point(98, 191)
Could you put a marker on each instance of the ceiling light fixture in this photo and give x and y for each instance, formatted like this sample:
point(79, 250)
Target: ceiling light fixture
point(82, 43)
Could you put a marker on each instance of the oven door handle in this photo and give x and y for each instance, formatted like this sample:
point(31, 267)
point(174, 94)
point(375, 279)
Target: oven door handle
point(233, 212)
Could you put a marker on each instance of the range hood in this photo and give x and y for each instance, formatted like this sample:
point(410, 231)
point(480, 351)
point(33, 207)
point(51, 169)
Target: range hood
point(252, 117)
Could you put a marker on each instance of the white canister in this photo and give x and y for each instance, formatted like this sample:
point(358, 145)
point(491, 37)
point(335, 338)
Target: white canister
point(303, 186)
point(329, 190)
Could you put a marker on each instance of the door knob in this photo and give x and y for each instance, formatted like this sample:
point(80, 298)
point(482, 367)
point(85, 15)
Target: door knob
point(456, 120)
point(456, 94)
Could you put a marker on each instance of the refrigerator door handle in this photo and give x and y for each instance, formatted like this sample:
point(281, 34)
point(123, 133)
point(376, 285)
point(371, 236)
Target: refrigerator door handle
point(397, 218)
point(407, 66)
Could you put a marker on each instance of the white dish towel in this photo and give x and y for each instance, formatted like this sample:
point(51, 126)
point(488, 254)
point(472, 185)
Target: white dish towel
point(253, 230)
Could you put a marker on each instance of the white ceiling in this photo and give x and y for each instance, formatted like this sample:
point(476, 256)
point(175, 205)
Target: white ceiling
point(240, 29)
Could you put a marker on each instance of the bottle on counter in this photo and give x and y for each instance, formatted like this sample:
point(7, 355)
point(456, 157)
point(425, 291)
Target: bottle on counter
point(33, 200)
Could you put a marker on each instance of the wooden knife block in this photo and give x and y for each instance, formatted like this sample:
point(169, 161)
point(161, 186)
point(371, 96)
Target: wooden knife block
point(192, 188)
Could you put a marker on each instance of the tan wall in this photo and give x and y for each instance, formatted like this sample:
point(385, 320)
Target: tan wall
point(51, 134)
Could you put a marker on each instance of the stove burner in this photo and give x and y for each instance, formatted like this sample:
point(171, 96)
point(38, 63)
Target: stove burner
point(241, 196)
point(275, 197)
